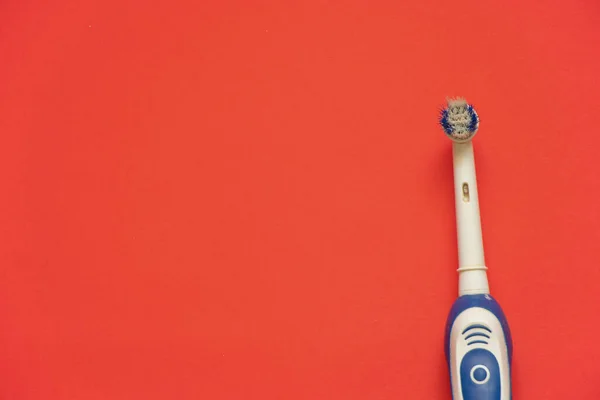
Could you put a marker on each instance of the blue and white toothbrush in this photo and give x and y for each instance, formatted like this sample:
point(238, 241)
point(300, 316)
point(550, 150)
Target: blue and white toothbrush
point(478, 343)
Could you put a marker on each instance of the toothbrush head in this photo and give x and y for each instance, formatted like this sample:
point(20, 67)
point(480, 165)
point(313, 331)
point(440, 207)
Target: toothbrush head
point(459, 120)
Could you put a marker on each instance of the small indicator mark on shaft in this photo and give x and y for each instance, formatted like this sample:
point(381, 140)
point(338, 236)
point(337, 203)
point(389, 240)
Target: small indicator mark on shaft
point(465, 191)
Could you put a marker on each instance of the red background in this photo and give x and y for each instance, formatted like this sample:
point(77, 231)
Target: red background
point(253, 200)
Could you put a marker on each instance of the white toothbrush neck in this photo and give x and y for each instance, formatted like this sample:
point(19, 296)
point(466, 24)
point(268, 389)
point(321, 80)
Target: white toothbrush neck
point(472, 270)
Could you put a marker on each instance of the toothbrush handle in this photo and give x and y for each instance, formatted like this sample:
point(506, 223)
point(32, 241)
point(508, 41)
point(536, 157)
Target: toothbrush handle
point(478, 349)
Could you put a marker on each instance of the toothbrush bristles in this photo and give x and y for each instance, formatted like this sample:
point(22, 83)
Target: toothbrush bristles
point(459, 120)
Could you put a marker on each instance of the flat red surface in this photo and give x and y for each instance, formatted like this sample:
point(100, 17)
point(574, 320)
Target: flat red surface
point(253, 200)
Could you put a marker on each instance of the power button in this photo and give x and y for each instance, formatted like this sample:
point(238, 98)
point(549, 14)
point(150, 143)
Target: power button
point(480, 374)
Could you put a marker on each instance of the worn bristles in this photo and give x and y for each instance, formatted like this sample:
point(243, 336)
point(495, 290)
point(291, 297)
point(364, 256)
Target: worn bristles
point(459, 120)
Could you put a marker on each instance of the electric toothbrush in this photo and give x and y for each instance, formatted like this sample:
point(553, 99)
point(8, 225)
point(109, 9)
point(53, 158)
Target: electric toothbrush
point(478, 342)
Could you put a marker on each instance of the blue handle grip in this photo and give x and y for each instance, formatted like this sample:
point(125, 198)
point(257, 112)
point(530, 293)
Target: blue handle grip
point(478, 347)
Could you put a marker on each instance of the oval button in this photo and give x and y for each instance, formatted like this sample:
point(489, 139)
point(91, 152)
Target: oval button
point(480, 376)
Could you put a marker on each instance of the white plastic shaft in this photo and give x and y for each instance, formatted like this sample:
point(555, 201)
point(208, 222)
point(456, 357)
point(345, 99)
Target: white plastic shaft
point(472, 276)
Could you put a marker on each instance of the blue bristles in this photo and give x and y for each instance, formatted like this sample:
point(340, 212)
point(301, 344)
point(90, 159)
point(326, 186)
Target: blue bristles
point(474, 118)
point(445, 123)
